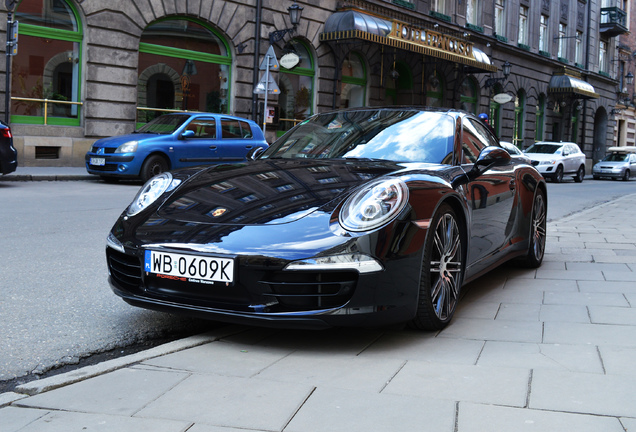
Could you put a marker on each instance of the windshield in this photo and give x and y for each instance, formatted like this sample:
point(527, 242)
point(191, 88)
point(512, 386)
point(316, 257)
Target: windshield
point(165, 124)
point(615, 157)
point(543, 148)
point(388, 134)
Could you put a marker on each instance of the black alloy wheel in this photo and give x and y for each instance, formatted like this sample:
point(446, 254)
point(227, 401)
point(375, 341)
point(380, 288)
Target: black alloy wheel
point(538, 232)
point(153, 166)
point(442, 272)
point(580, 174)
point(558, 174)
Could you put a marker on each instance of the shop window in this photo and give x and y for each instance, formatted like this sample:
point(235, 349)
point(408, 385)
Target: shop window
point(435, 90)
point(47, 65)
point(517, 133)
point(468, 97)
point(184, 66)
point(295, 102)
point(354, 82)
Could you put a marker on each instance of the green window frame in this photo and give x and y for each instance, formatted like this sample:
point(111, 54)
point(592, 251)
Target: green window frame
point(517, 133)
point(191, 55)
point(306, 72)
point(540, 121)
point(357, 81)
point(49, 33)
point(468, 96)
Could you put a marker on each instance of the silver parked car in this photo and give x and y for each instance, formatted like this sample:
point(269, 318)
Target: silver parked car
point(620, 163)
point(557, 159)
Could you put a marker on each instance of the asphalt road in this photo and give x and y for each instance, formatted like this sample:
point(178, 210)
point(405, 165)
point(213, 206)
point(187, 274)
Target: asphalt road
point(56, 308)
point(55, 303)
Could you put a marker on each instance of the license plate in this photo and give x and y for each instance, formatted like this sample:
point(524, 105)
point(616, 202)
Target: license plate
point(189, 268)
point(98, 161)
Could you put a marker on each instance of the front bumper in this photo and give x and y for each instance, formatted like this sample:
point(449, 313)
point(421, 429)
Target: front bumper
point(266, 294)
point(608, 173)
point(111, 165)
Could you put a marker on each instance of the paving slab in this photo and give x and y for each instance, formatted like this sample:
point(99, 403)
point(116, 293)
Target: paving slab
point(574, 358)
point(337, 410)
point(613, 315)
point(501, 330)
point(586, 299)
point(122, 392)
point(564, 313)
point(246, 403)
point(605, 395)
point(591, 334)
point(479, 418)
point(618, 360)
point(483, 384)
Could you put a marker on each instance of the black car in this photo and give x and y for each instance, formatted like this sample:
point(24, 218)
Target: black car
point(8, 154)
point(358, 217)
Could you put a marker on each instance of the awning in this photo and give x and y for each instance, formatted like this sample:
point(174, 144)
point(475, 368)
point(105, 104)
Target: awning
point(354, 24)
point(567, 85)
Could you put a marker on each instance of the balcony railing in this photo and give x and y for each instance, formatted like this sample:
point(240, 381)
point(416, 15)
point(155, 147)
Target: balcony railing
point(613, 21)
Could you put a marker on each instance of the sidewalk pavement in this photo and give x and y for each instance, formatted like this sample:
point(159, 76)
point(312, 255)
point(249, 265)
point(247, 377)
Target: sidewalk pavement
point(48, 174)
point(552, 349)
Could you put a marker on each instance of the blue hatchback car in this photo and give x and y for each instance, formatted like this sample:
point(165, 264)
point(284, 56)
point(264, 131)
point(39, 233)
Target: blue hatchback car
point(174, 141)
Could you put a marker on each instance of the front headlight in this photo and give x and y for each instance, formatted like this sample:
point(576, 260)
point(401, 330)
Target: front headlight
point(547, 162)
point(129, 147)
point(153, 189)
point(374, 205)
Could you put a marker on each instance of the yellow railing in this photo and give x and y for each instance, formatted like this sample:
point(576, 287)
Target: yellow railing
point(46, 103)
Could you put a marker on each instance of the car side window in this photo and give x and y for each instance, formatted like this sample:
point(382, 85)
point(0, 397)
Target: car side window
point(475, 138)
point(231, 129)
point(246, 130)
point(203, 128)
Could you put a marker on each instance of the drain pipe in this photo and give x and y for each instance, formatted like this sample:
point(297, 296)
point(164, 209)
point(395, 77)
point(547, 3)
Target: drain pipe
point(257, 54)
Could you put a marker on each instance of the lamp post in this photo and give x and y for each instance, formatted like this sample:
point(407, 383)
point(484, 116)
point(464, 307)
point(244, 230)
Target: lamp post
point(295, 12)
point(506, 68)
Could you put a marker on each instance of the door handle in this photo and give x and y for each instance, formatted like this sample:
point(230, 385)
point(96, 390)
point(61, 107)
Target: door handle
point(248, 147)
point(212, 147)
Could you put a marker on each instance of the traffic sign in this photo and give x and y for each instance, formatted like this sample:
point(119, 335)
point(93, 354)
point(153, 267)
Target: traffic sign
point(267, 84)
point(270, 61)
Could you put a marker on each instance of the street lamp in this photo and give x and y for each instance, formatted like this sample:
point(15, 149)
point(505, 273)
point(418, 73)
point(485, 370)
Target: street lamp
point(629, 78)
point(295, 11)
point(506, 67)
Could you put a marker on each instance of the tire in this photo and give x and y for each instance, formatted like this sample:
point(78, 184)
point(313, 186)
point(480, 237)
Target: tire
point(626, 175)
point(558, 175)
point(442, 272)
point(536, 248)
point(580, 174)
point(153, 166)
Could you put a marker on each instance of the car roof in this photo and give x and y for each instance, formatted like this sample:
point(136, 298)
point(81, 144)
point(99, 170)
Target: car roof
point(622, 149)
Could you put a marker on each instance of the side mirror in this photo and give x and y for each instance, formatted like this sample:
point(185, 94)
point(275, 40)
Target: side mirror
point(489, 157)
point(187, 134)
point(254, 153)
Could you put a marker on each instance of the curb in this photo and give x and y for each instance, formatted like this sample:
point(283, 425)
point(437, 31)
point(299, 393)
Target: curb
point(30, 177)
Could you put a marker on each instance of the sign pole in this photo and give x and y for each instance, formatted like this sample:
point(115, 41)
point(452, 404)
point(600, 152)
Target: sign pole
point(10, 5)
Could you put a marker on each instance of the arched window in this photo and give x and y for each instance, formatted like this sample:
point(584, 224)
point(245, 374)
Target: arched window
point(538, 135)
point(354, 82)
point(399, 84)
point(296, 99)
point(517, 133)
point(47, 65)
point(183, 65)
point(435, 90)
point(468, 96)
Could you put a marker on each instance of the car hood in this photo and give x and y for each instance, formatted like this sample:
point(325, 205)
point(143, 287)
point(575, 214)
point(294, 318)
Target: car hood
point(267, 191)
point(116, 141)
point(615, 164)
point(543, 156)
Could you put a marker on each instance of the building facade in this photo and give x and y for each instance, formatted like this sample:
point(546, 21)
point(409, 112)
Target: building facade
point(85, 69)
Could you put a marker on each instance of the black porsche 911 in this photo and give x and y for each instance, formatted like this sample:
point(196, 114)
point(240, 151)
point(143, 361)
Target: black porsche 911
point(359, 217)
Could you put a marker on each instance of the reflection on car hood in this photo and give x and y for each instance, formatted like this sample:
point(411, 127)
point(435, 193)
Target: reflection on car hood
point(268, 191)
point(116, 141)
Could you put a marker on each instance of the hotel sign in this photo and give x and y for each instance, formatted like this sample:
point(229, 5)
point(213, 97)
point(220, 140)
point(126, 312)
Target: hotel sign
point(431, 39)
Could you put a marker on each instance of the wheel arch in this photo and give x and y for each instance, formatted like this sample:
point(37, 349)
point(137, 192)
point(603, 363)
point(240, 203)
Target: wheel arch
point(161, 154)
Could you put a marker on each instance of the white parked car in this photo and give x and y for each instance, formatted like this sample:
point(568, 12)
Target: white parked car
point(557, 159)
point(620, 163)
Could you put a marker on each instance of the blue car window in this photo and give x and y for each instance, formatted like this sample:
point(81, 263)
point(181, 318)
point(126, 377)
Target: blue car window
point(203, 128)
point(246, 130)
point(231, 129)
